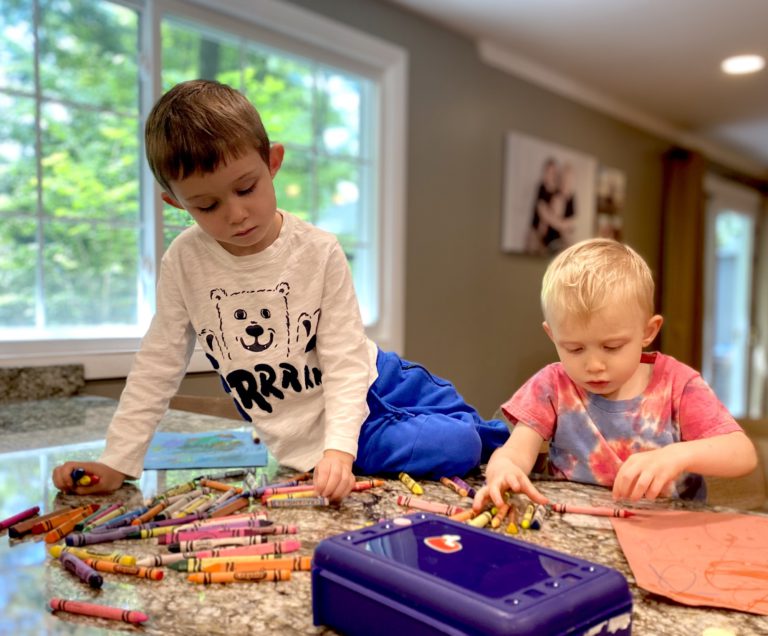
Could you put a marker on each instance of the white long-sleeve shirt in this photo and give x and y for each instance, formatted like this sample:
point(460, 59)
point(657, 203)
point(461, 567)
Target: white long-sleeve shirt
point(281, 327)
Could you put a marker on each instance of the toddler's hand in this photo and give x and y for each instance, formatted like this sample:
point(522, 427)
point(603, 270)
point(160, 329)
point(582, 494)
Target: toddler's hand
point(333, 476)
point(504, 475)
point(648, 474)
point(109, 478)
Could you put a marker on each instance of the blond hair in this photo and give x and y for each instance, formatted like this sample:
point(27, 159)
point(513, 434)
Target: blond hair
point(592, 274)
point(198, 125)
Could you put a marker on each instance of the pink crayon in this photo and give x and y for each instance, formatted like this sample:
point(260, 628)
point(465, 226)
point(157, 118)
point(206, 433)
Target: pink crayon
point(99, 611)
point(25, 514)
point(409, 501)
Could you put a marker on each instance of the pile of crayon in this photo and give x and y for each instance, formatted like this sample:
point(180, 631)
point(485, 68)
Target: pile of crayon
point(212, 529)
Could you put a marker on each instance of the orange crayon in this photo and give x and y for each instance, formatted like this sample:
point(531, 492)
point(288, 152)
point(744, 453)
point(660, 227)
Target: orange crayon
point(56, 520)
point(115, 568)
point(301, 563)
point(63, 529)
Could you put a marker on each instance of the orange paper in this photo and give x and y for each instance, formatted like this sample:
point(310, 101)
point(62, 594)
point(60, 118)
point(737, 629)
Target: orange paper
point(699, 558)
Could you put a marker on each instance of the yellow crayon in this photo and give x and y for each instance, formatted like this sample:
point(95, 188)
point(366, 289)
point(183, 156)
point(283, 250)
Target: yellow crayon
point(300, 563)
point(530, 509)
point(481, 520)
point(82, 553)
point(411, 484)
point(239, 577)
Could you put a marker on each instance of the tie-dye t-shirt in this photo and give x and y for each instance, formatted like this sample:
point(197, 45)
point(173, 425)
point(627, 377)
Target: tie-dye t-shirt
point(590, 436)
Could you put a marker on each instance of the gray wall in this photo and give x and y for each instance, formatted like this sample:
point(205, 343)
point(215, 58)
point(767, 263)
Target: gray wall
point(472, 312)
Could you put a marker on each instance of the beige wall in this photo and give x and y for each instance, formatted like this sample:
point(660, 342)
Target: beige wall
point(472, 312)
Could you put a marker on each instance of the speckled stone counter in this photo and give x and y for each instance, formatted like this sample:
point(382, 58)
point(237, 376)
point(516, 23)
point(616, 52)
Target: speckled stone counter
point(35, 383)
point(38, 435)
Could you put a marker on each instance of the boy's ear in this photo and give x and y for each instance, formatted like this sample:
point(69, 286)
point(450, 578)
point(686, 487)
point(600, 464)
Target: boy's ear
point(548, 330)
point(171, 201)
point(652, 328)
point(276, 154)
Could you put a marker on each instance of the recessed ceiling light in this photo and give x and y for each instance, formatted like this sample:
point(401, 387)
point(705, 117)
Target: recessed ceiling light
point(742, 64)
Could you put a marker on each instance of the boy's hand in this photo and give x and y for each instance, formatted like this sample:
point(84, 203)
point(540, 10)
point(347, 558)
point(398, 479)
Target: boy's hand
point(333, 476)
point(501, 476)
point(649, 474)
point(109, 478)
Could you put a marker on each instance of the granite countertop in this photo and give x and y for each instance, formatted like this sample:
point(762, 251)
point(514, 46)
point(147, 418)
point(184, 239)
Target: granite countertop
point(39, 434)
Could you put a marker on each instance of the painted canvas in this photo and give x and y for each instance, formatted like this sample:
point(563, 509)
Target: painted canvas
point(210, 449)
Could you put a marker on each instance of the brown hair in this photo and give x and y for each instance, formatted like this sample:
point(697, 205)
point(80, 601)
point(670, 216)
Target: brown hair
point(591, 274)
point(196, 126)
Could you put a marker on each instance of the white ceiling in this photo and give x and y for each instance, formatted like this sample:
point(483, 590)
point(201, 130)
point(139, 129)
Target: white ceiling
point(653, 63)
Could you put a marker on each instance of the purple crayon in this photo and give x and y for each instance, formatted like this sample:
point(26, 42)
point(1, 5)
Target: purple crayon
point(25, 514)
point(82, 570)
point(87, 538)
point(471, 492)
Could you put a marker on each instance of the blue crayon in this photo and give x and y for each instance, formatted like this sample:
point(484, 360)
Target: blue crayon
point(123, 520)
point(82, 570)
point(77, 473)
point(537, 521)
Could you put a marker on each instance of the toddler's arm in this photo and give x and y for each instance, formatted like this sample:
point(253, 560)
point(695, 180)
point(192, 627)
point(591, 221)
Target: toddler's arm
point(651, 473)
point(508, 469)
point(109, 479)
point(333, 477)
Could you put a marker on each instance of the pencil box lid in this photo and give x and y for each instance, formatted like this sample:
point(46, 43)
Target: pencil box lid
point(424, 574)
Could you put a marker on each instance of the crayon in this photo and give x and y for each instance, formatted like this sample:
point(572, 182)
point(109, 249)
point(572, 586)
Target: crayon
point(81, 569)
point(220, 486)
point(63, 529)
point(512, 521)
point(365, 484)
point(115, 568)
point(96, 515)
point(229, 506)
point(464, 515)
point(205, 544)
point(82, 477)
point(448, 483)
point(300, 563)
point(525, 522)
point(537, 521)
point(117, 557)
point(105, 518)
point(500, 515)
point(149, 514)
point(239, 577)
point(427, 506)
point(279, 490)
point(471, 492)
point(98, 611)
point(49, 524)
point(200, 564)
point(223, 532)
point(481, 520)
point(298, 503)
point(410, 483)
point(18, 517)
point(289, 495)
point(78, 539)
point(233, 521)
point(23, 527)
point(250, 482)
point(600, 511)
point(121, 520)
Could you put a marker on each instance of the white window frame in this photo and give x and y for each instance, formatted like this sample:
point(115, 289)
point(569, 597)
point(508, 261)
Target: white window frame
point(386, 63)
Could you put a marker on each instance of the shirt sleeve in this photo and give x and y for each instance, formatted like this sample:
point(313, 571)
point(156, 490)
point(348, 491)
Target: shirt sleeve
point(342, 349)
point(535, 403)
point(155, 375)
point(702, 414)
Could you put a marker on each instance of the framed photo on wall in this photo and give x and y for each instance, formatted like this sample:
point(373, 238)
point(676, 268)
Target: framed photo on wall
point(548, 201)
point(611, 192)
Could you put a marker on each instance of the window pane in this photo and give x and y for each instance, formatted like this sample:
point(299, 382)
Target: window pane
point(293, 184)
point(281, 89)
point(90, 164)
point(90, 274)
point(340, 98)
point(340, 201)
point(18, 264)
point(16, 45)
point(89, 52)
point(18, 175)
point(191, 52)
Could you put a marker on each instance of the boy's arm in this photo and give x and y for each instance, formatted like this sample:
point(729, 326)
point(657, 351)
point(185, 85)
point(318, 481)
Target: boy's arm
point(344, 355)
point(650, 474)
point(509, 466)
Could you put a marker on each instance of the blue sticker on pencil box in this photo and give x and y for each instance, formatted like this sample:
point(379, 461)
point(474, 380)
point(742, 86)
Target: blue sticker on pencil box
point(209, 449)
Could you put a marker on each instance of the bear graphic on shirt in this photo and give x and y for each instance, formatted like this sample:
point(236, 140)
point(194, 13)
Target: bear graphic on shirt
point(255, 321)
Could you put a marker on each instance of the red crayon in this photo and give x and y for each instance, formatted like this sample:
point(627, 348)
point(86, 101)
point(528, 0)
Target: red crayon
point(99, 611)
point(411, 501)
point(25, 514)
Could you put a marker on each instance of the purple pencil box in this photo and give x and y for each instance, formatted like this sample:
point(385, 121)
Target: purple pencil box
point(424, 574)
